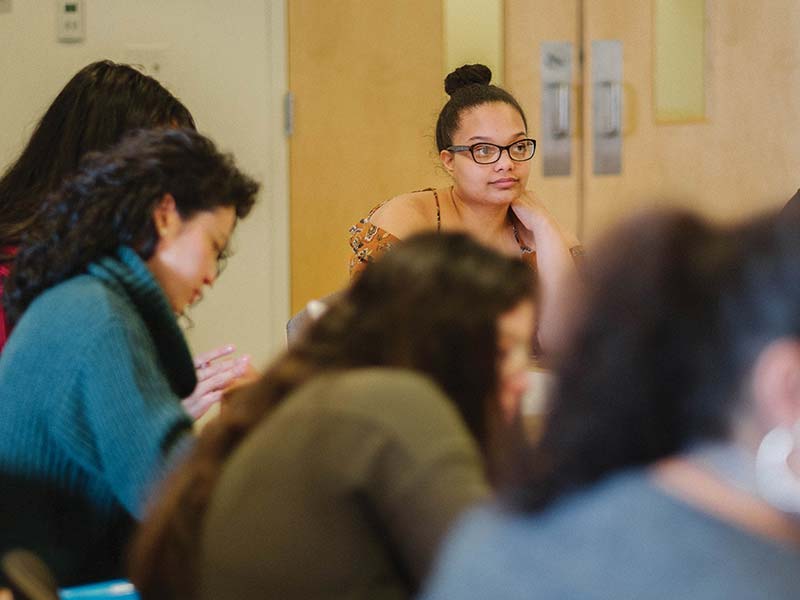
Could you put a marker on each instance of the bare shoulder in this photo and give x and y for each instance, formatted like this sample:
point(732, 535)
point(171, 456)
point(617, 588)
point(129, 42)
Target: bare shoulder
point(407, 214)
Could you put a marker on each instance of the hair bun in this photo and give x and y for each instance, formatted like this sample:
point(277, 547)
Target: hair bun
point(467, 75)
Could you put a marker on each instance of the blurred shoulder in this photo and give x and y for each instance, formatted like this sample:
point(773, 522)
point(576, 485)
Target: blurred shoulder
point(392, 383)
point(87, 297)
point(399, 402)
point(476, 560)
point(67, 322)
point(81, 307)
point(792, 207)
point(380, 392)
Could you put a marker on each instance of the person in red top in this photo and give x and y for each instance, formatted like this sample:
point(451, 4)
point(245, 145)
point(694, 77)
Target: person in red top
point(3, 329)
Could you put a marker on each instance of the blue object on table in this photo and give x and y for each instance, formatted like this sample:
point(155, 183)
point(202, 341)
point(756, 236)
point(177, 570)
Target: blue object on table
point(118, 589)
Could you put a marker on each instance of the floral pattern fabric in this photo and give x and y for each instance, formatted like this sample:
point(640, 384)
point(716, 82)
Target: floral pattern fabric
point(368, 241)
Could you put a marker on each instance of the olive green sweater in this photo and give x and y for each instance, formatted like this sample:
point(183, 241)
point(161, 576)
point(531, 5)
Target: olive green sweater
point(345, 491)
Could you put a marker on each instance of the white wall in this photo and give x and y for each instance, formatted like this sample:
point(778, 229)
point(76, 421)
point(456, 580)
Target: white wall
point(226, 62)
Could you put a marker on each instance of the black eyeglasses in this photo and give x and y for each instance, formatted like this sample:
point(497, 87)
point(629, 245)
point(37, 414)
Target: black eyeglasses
point(486, 154)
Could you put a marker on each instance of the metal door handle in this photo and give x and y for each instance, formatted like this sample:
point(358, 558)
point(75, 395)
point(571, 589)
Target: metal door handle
point(561, 115)
point(607, 106)
point(613, 108)
point(556, 73)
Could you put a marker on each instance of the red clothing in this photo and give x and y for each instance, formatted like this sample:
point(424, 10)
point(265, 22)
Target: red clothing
point(5, 330)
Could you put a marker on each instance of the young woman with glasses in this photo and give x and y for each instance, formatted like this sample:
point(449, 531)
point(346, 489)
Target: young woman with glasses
point(483, 142)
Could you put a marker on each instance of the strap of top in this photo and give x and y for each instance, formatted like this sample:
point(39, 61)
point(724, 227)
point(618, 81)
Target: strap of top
point(438, 212)
point(523, 247)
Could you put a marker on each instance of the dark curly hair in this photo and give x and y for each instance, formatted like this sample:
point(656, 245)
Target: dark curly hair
point(97, 106)
point(678, 311)
point(430, 305)
point(109, 202)
point(468, 86)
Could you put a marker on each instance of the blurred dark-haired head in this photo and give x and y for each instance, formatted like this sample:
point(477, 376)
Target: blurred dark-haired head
point(431, 305)
point(92, 112)
point(676, 313)
point(110, 202)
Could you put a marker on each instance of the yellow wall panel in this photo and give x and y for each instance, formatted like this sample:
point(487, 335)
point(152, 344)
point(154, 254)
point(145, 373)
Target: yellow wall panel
point(679, 54)
point(473, 33)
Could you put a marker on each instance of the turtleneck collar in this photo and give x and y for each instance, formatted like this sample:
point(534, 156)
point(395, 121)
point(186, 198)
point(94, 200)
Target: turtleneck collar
point(129, 274)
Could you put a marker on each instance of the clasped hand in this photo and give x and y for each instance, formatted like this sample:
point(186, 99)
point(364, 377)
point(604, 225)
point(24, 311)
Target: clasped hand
point(216, 377)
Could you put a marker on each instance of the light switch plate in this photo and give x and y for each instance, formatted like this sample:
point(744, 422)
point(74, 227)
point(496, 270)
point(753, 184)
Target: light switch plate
point(70, 20)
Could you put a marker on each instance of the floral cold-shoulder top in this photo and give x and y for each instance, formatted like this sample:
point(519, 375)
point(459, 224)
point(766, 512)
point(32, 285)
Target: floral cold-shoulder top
point(368, 241)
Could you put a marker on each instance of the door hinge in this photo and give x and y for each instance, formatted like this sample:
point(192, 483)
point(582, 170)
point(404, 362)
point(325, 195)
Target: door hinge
point(288, 114)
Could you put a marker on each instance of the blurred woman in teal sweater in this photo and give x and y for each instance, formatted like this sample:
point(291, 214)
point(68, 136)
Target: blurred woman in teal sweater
point(91, 380)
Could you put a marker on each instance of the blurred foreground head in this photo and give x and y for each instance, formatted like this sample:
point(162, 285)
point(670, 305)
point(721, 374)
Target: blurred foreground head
point(674, 347)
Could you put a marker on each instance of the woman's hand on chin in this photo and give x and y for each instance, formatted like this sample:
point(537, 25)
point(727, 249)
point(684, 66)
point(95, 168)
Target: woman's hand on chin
point(531, 214)
point(536, 220)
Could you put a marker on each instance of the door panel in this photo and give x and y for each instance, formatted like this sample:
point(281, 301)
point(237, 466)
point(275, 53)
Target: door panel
point(367, 83)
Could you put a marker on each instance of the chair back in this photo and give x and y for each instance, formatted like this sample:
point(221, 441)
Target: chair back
point(297, 325)
point(29, 578)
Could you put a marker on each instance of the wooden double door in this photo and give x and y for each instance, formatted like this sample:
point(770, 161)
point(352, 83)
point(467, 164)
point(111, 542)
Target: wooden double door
point(741, 157)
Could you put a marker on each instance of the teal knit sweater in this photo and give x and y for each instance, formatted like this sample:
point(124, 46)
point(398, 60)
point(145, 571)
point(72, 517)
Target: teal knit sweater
point(90, 415)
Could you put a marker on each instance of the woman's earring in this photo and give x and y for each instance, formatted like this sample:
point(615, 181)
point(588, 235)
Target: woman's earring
point(777, 482)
